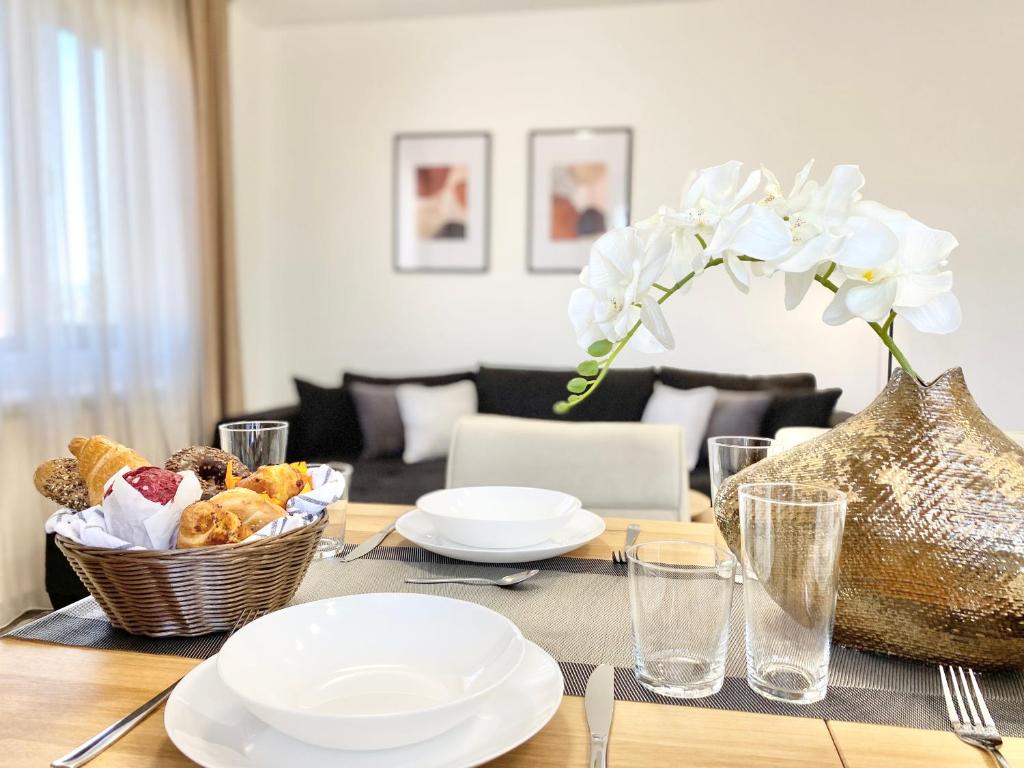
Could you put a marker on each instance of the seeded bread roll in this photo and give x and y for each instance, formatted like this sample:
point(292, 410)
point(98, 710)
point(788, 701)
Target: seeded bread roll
point(59, 480)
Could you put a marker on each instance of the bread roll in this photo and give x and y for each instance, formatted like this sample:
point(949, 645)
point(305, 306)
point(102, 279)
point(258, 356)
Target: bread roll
point(99, 458)
point(59, 480)
point(227, 518)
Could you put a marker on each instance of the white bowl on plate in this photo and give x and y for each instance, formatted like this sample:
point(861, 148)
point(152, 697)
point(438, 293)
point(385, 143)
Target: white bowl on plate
point(370, 671)
point(497, 516)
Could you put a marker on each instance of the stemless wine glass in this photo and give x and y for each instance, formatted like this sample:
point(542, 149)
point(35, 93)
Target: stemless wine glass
point(680, 597)
point(334, 545)
point(728, 455)
point(790, 536)
point(255, 443)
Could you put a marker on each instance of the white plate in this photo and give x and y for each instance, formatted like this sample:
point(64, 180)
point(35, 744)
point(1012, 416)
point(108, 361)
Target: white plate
point(211, 726)
point(373, 671)
point(582, 527)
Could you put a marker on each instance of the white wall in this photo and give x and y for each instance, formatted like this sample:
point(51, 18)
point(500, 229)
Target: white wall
point(925, 96)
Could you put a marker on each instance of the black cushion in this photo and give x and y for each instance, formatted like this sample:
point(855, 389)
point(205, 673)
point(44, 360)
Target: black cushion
point(800, 409)
point(684, 379)
point(327, 424)
point(531, 393)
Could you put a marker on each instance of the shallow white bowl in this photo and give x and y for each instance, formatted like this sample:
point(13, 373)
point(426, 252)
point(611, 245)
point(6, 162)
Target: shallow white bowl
point(496, 516)
point(370, 671)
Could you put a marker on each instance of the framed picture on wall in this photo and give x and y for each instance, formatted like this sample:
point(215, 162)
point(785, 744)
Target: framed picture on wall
point(579, 188)
point(441, 191)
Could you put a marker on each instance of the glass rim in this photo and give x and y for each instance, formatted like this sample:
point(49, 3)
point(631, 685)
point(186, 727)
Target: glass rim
point(749, 491)
point(754, 442)
point(729, 559)
point(245, 426)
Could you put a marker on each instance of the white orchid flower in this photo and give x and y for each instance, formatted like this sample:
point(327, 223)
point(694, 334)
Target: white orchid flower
point(616, 290)
point(672, 235)
point(915, 282)
point(715, 203)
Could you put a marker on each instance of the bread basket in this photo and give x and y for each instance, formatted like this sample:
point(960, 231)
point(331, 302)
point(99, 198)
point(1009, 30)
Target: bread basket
point(188, 592)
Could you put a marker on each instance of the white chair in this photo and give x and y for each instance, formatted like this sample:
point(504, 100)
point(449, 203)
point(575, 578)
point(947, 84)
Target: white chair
point(618, 469)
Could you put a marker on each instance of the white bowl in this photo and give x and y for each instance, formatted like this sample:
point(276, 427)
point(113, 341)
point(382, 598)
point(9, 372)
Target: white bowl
point(498, 517)
point(370, 671)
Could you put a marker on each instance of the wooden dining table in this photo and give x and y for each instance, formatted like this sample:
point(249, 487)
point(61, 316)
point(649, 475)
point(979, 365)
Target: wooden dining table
point(53, 697)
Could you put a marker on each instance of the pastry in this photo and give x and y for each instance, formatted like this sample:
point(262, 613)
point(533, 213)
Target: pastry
point(279, 481)
point(229, 517)
point(210, 466)
point(99, 458)
point(59, 481)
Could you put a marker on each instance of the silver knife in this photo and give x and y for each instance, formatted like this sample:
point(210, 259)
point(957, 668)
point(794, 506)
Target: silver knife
point(599, 703)
point(370, 543)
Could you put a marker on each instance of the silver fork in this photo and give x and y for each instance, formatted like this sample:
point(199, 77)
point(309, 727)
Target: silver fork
point(973, 723)
point(87, 750)
point(619, 555)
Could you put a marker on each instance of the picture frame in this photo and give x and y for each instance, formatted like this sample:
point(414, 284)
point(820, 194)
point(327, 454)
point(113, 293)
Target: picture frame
point(579, 186)
point(441, 202)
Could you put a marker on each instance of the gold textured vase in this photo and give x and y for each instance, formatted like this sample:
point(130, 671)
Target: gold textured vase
point(932, 564)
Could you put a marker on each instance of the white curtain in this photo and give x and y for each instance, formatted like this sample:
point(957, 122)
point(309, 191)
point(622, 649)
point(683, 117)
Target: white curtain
point(98, 241)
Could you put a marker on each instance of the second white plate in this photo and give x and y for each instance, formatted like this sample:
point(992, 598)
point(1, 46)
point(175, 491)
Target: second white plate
point(582, 527)
point(210, 725)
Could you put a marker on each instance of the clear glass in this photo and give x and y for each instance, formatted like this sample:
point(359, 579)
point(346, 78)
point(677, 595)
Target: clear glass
point(256, 443)
point(334, 545)
point(680, 597)
point(791, 536)
point(728, 455)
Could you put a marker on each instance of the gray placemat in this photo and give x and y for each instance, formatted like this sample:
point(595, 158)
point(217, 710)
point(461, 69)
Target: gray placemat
point(578, 610)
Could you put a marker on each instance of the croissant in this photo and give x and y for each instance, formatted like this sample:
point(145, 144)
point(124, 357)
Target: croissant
point(279, 481)
point(99, 458)
point(227, 518)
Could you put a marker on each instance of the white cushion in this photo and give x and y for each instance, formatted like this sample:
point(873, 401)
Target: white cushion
point(429, 415)
point(790, 437)
point(689, 408)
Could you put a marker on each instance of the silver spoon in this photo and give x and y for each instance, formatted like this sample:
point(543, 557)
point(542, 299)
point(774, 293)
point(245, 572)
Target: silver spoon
point(505, 581)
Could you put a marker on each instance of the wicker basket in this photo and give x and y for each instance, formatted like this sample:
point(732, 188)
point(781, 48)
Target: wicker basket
point(187, 592)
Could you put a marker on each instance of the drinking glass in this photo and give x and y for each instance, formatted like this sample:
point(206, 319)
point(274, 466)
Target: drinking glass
point(728, 455)
point(680, 597)
point(332, 546)
point(255, 443)
point(791, 535)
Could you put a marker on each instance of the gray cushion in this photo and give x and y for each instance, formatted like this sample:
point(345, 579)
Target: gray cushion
point(738, 413)
point(379, 419)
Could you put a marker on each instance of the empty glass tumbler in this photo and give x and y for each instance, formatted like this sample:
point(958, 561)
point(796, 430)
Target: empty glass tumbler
point(255, 443)
point(728, 455)
point(680, 595)
point(791, 536)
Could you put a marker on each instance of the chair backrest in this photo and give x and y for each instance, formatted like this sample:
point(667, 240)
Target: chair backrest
point(614, 468)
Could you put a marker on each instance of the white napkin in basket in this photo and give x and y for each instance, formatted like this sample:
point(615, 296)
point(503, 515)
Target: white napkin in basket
point(90, 526)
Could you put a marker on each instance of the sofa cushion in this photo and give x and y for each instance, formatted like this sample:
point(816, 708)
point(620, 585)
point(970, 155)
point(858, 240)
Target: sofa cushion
point(800, 409)
point(531, 393)
point(379, 419)
point(326, 426)
point(686, 379)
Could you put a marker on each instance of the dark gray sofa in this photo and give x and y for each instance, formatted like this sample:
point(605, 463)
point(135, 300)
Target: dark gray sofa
point(324, 425)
